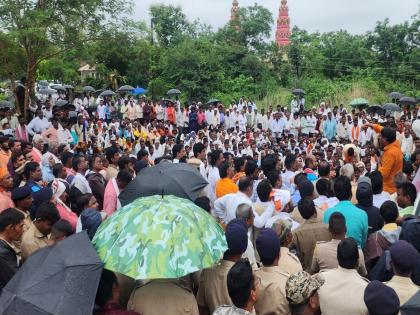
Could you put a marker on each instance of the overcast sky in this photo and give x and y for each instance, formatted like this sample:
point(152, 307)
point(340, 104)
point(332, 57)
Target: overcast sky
point(355, 16)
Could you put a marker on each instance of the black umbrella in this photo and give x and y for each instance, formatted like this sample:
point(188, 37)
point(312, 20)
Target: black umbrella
point(391, 107)
point(298, 92)
point(6, 104)
point(375, 109)
point(43, 83)
point(47, 91)
point(407, 100)
point(412, 306)
point(173, 92)
point(88, 89)
point(213, 100)
point(107, 93)
point(395, 95)
point(181, 180)
point(61, 103)
point(125, 89)
point(58, 87)
point(60, 279)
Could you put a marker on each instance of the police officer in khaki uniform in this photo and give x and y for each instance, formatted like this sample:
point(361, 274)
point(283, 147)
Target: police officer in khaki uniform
point(212, 289)
point(22, 197)
point(164, 296)
point(36, 236)
point(404, 258)
point(272, 298)
point(306, 235)
point(343, 290)
point(325, 253)
point(288, 263)
point(244, 289)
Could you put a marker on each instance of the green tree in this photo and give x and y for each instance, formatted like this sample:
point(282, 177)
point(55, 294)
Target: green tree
point(45, 29)
point(255, 26)
point(169, 23)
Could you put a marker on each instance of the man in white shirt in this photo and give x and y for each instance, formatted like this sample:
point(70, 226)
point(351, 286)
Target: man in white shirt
point(225, 207)
point(407, 143)
point(263, 120)
point(216, 159)
point(312, 123)
point(277, 126)
point(366, 135)
point(342, 130)
point(101, 110)
point(38, 124)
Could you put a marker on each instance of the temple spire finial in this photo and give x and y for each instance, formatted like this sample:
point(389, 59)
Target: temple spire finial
point(283, 25)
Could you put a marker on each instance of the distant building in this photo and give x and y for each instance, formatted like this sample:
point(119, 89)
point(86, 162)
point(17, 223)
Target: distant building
point(86, 72)
point(283, 25)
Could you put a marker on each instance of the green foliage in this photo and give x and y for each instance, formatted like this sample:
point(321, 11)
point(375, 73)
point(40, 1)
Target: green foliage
point(170, 24)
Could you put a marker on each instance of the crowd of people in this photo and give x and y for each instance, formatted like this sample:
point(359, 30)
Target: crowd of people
point(319, 205)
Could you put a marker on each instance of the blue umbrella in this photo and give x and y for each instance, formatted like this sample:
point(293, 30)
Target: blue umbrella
point(139, 90)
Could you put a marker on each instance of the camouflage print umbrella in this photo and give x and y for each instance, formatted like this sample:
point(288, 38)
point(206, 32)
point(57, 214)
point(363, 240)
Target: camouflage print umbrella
point(159, 238)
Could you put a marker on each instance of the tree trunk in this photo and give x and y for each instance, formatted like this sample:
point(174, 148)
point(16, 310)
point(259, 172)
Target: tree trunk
point(30, 84)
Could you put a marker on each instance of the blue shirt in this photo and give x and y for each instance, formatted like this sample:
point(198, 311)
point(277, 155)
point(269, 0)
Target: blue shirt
point(356, 220)
point(330, 128)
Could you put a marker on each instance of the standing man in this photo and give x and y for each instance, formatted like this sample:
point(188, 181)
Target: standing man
point(325, 253)
point(344, 282)
point(404, 258)
point(5, 153)
point(356, 219)
point(213, 287)
point(38, 124)
point(112, 155)
point(243, 287)
point(216, 159)
point(391, 161)
point(36, 236)
point(273, 280)
point(310, 232)
point(11, 230)
point(330, 127)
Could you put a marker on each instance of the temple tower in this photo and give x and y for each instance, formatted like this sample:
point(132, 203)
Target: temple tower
point(234, 18)
point(283, 25)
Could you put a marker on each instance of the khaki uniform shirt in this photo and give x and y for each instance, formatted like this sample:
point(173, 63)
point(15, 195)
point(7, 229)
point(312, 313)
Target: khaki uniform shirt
point(305, 238)
point(212, 290)
point(296, 216)
point(272, 295)
point(404, 287)
point(159, 297)
point(32, 240)
point(342, 293)
point(26, 225)
point(288, 262)
point(325, 258)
